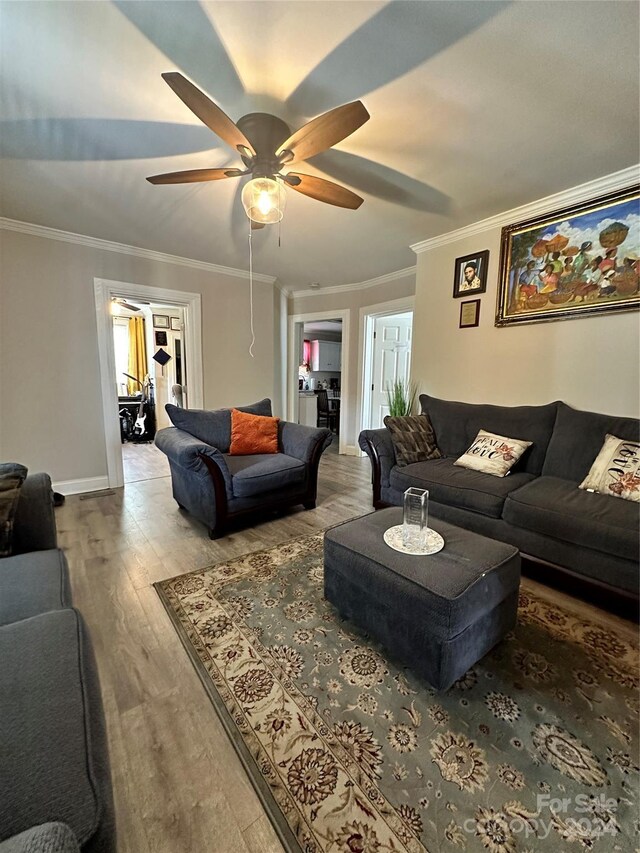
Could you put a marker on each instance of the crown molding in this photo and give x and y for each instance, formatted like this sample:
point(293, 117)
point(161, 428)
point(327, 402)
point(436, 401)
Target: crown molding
point(359, 285)
point(565, 198)
point(123, 249)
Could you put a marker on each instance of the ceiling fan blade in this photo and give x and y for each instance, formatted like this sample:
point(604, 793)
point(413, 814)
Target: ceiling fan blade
point(208, 112)
point(325, 130)
point(192, 176)
point(128, 305)
point(325, 191)
point(256, 225)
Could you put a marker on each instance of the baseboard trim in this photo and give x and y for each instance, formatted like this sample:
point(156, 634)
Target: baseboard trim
point(350, 450)
point(79, 487)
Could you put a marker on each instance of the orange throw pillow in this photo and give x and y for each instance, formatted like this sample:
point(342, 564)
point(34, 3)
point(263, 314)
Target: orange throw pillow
point(252, 434)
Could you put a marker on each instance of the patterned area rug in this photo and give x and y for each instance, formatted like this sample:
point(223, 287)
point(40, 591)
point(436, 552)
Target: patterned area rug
point(534, 749)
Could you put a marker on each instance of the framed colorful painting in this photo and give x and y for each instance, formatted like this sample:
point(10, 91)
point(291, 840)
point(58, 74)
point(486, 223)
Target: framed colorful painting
point(576, 262)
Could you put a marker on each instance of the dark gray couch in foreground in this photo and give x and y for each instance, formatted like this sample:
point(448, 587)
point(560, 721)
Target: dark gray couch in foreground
point(218, 488)
point(53, 753)
point(538, 506)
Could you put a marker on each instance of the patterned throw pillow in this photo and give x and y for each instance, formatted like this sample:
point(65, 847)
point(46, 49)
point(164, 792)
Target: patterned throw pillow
point(413, 439)
point(616, 471)
point(12, 476)
point(493, 454)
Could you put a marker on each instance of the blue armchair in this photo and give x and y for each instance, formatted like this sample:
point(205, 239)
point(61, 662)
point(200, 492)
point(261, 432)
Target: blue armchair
point(217, 488)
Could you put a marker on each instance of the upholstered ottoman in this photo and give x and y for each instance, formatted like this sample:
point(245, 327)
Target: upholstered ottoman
point(439, 614)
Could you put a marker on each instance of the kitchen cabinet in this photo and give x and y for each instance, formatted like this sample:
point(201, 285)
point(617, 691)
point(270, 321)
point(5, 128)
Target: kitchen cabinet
point(326, 355)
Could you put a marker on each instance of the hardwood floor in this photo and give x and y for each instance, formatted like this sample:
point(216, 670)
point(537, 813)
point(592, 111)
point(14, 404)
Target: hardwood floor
point(143, 462)
point(178, 785)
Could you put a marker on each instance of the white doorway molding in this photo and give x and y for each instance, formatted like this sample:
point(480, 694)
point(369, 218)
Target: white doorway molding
point(191, 304)
point(293, 338)
point(368, 316)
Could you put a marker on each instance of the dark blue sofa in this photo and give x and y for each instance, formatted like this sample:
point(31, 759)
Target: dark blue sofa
point(538, 507)
point(55, 787)
point(217, 488)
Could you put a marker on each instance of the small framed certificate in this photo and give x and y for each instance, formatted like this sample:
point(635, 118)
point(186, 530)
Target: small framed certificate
point(469, 314)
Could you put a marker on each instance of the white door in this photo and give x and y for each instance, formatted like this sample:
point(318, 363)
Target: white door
point(391, 360)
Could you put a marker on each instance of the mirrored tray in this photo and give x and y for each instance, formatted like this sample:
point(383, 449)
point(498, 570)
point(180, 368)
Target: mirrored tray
point(393, 538)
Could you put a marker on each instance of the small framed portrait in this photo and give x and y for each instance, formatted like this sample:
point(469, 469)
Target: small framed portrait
point(469, 314)
point(470, 274)
point(160, 321)
point(176, 326)
point(161, 339)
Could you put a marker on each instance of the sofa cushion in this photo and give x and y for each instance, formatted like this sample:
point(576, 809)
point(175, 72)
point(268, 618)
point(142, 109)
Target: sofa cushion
point(34, 524)
point(48, 770)
point(578, 438)
point(558, 508)
point(12, 476)
point(46, 838)
point(213, 427)
point(413, 439)
point(457, 424)
point(33, 583)
point(255, 475)
point(450, 484)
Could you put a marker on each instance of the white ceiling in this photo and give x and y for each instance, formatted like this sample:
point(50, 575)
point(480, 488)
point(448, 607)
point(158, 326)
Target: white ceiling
point(476, 107)
point(316, 326)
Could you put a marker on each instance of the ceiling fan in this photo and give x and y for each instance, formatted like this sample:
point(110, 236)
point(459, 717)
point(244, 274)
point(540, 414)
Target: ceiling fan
point(266, 146)
point(124, 304)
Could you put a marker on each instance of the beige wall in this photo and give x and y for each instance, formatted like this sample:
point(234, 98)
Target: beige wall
point(590, 363)
point(52, 406)
point(353, 301)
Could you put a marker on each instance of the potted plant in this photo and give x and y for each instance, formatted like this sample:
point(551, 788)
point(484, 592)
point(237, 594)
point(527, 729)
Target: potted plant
point(401, 396)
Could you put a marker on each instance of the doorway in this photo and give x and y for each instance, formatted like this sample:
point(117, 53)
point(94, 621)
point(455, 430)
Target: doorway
point(387, 331)
point(391, 361)
point(318, 347)
point(319, 375)
point(156, 333)
point(149, 360)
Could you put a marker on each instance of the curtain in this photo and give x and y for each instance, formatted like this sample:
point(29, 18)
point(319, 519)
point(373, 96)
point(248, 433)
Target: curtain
point(137, 353)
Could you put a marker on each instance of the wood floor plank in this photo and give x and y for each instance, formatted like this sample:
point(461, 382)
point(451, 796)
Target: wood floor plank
point(260, 837)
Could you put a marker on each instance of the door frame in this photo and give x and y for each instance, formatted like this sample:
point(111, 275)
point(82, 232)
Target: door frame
point(368, 315)
point(104, 290)
point(292, 367)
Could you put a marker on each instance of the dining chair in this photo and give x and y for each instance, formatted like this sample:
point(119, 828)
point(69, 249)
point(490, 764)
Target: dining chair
point(326, 415)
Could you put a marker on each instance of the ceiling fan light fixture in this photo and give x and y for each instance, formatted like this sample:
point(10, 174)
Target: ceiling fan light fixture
point(263, 200)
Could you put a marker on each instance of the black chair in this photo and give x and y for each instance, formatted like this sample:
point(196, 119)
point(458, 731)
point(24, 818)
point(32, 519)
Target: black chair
point(327, 416)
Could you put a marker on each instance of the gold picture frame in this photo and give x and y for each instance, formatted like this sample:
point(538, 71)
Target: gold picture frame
point(575, 262)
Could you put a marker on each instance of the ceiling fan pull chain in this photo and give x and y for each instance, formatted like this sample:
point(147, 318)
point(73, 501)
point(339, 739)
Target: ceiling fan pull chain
point(253, 336)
